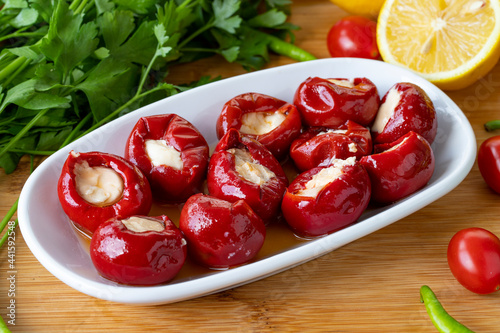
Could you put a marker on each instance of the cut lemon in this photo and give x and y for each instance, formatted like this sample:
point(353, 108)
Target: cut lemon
point(368, 8)
point(451, 43)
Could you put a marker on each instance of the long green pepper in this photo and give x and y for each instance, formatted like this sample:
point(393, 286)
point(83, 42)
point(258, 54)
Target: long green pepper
point(439, 317)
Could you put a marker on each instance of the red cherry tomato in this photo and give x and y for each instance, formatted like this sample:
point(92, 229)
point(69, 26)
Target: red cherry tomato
point(488, 160)
point(474, 260)
point(353, 36)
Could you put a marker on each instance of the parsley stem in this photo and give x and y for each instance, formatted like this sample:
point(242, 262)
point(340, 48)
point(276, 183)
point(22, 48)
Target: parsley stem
point(11, 68)
point(7, 234)
point(7, 218)
point(22, 132)
point(20, 68)
point(77, 128)
point(9, 215)
point(33, 152)
point(74, 5)
point(196, 33)
point(19, 34)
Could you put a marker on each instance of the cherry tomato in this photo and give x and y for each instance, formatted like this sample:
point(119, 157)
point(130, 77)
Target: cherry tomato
point(488, 160)
point(353, 36)
point(474, 260)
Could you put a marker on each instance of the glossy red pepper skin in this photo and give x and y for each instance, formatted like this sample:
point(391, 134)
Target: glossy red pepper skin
point(311, 150)
point(414, 112)
point(221, 234)
point(138, 258)
point(322, 102)
point(169, 184)
point(224, 182)
point(400, 168)
point(488, 161)
point(135, 200)
point(279, 139)
point(339, 204)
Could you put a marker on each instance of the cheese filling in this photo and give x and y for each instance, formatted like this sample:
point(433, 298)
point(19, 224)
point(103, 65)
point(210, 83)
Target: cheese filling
point(140, 224)
point(100, 186)
point(325, 177)
point(160, 153)
point(258, 123)
point(328, 131)
point(386, 110)
point(249, 169)
point(343, 83)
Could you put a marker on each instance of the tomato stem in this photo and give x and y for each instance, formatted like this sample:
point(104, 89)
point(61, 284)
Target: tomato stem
point(492, 125)
point(439, 317)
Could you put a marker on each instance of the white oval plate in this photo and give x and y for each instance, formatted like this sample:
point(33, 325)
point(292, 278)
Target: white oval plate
point(54, 243)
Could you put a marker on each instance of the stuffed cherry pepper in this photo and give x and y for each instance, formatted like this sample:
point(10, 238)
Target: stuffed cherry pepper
point(242, 168)
point(405, 107)
point(221, 234)
point(323, 200)
point(138, 250)
point(399, 168)
point(172, 153)
point(318, 146)
point(94, 187)
point(331, 102)
point(271, 121)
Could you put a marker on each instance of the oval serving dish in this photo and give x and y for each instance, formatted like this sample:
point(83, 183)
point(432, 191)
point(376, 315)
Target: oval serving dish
point(54, 242)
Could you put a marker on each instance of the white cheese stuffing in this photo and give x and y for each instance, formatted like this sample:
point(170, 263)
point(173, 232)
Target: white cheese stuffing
point(258, 123)
point(343, 83)
point(141, 224)
point(249, 169)
point(160, 153)
point(328, 131)
point(386, 110)
point(325, 177)
point(99, 186)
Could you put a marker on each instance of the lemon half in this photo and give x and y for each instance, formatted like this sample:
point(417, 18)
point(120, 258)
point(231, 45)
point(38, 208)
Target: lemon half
point(451, 43)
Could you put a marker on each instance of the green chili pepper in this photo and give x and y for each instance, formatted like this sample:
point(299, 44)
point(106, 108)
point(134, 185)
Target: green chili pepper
point(3, 326)
point(492, 125)
point(439, 317)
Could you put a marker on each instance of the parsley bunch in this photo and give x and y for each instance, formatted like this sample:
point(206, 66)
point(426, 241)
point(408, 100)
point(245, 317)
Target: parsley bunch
point(68, 67)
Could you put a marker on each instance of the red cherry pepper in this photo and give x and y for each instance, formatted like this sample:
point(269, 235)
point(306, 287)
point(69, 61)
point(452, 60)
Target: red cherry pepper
point(135, 256)
point(332, 102)
point(409, 108)
point(225, 182)
point(339, 203)
point(135, 198)
point(221, 234)
point(399, 168)
point(317, 146)
point(277, 140)
point(170, 184)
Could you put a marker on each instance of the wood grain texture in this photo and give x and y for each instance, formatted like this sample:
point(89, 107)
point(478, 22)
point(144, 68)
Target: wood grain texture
point(370, 285)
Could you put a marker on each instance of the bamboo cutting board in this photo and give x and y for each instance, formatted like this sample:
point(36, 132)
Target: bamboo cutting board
point(370, 285)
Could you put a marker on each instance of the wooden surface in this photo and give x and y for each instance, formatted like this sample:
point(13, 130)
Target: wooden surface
point(370, 285)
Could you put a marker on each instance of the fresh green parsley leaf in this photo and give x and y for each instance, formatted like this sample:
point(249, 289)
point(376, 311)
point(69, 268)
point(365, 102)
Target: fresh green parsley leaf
point(269, 19)
point(69, 41)
point(25, 18)
point(224, 11)
point(26, 96)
